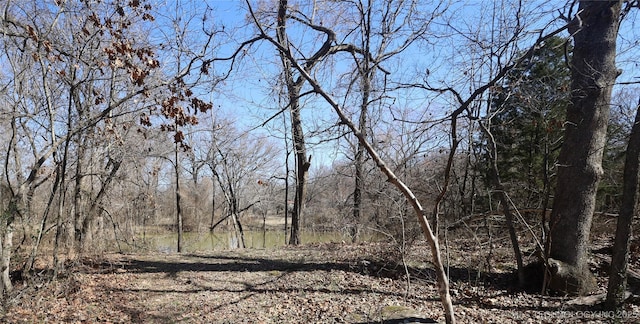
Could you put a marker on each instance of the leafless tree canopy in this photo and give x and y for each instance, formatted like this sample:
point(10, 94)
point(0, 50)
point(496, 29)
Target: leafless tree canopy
point(127, 120)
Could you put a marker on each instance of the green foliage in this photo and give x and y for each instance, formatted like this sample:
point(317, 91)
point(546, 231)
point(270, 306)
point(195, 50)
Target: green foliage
point(527, 115)
point(526, 121)
point(621, 119)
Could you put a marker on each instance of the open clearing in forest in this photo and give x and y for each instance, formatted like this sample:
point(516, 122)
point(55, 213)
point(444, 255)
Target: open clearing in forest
point(322, 283)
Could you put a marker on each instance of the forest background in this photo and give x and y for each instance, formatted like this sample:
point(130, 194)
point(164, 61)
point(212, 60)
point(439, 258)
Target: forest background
point(127, 119)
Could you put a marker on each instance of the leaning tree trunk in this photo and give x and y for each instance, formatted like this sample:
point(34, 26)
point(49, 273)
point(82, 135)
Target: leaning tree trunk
point(593, 73)
point(94, 209)
point(432, 240)
point(620, 258)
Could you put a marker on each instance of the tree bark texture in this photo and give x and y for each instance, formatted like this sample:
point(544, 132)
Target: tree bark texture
point(5, 259)
point(620, 258)
point(593, 73)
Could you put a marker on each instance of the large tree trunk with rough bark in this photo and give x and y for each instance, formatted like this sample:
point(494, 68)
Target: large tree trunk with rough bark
point(593, 69)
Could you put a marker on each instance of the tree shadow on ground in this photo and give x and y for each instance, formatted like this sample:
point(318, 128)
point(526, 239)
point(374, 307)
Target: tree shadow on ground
point(456, 275)
point(278, 271)
point(244, 264)
point(501, 283)
point(382, 269)
point(219, 263)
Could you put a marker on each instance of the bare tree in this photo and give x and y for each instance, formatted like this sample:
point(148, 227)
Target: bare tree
point(81, 56)
point(294, 86)
point(381, 35)
point(240, 160)
point(443, 284)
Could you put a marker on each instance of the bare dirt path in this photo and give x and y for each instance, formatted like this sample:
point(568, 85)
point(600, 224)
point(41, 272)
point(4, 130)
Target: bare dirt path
point(329, 283)
point(301, 285)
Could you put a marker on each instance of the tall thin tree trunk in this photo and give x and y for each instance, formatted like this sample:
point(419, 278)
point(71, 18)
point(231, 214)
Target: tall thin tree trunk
point(264, 228)
point(512, 232)
point(302, 163)
point(62, 170)
point(212, 166)
point(593, 73)
point(14, 206)
point(57, 263)
point(302, 171)
point(78, 200)
point(357, 195)
point(366, 74)
point(620, 258)
point(286, 184)
point(178, 202)
point(213, 204)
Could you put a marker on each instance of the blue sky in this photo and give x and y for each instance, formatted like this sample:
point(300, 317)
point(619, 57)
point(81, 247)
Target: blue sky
point(452, 60)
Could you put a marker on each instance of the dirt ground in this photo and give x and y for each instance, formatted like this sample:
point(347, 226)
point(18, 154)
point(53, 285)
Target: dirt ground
point(323, 283)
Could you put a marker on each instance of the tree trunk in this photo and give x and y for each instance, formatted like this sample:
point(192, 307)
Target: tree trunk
point(213, 204)
point(367, 75)
point(302, 171)
point(432, 240)
point(94, 210)
point(5, 260)
point(78, 199)
point(580, 162)
point(357, 194)
point(212, 166)
point(241, 243)
point(178, 204)
point(302, 163)
point(286, 187)
point(620, 258)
